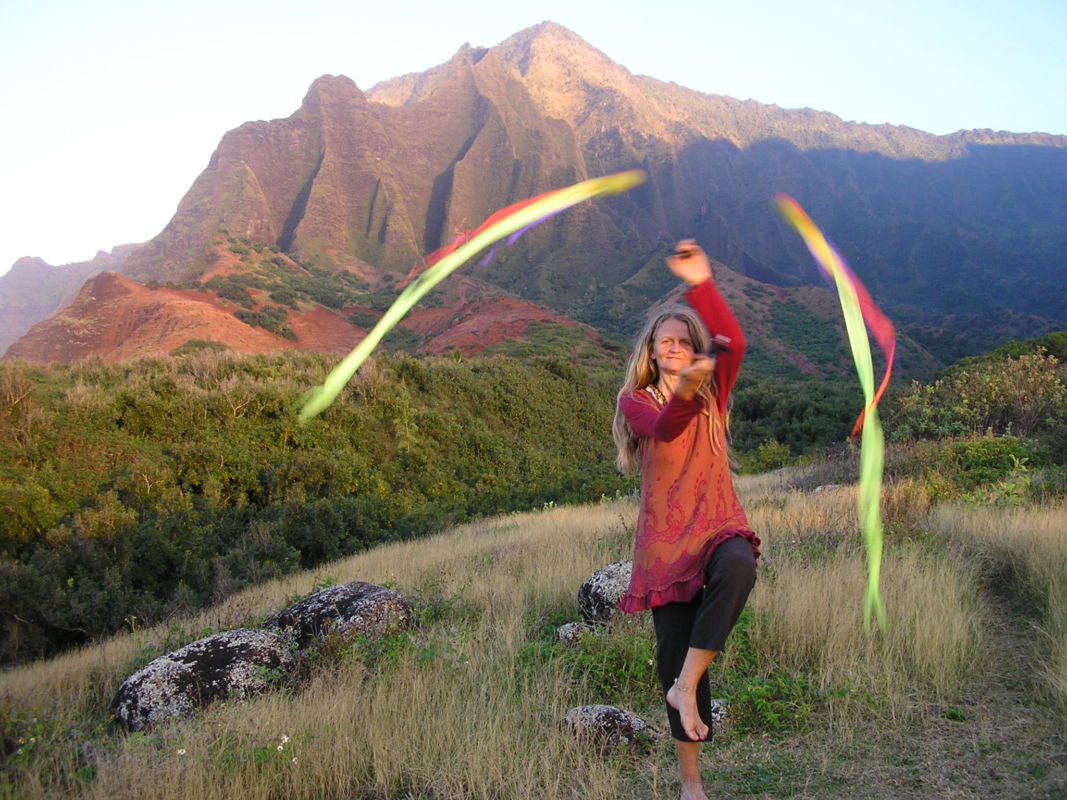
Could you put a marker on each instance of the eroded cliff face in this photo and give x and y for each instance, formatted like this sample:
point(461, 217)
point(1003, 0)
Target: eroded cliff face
point(367, 186)
point(954, 234)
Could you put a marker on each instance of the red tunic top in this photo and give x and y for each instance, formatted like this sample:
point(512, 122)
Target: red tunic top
point(688, 502)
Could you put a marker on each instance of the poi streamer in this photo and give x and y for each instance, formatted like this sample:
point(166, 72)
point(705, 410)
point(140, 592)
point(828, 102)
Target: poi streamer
point(858, 309)
point(511, 221)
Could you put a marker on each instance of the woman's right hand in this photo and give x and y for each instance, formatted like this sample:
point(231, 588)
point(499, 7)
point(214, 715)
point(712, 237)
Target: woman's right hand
point(694, 376)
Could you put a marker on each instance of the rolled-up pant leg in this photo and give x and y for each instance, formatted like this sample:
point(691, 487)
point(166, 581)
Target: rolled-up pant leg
point(674, 626)
point(704, 622)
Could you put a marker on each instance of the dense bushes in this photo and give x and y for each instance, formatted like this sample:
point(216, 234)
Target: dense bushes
point(1020, 397)
point(270, 318)
point(135, 490)
point(1023, 396)
point(801, 414)
point(992, 429)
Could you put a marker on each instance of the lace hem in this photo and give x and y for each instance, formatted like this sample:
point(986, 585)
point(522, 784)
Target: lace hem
point(685, 590)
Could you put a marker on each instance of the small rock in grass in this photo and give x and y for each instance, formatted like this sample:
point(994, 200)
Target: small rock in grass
point(599, 596)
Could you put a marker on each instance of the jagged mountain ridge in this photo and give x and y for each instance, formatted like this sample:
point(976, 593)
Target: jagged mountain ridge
point(429, 154)
point(969, 225)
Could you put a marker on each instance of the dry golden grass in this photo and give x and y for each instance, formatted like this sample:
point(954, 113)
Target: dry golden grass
point(810, 621)
point(1029, 546)
point(456, 711)
point(445, 719)
point(809, 600)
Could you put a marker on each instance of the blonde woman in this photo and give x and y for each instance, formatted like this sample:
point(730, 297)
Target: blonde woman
point(694, 552)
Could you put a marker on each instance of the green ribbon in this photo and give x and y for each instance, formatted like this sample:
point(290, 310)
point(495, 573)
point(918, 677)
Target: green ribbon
point(854, 299)
point(527, 214)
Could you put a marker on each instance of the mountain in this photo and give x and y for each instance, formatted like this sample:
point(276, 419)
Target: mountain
point(33, 289)
point(961, 238)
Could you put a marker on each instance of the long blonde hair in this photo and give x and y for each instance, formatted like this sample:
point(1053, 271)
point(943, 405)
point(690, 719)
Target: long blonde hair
point(642, 371)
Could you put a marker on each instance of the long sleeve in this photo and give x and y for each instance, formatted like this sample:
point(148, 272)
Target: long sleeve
point(715, 312)
point(647, 420)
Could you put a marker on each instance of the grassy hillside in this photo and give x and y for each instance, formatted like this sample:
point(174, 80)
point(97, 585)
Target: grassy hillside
point(132, 492)
point(136, 491)
point(962, 696)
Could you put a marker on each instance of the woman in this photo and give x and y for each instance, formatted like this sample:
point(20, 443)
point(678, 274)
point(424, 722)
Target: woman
point(694, 552)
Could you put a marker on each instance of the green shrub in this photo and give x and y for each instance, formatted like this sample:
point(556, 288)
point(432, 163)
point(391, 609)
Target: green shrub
point(285, 296)
point(769, 455)
point(1020, 396)
point(270, 318)
point(615, 665)
point(234, 291)
point(401, 339)
point(985, 460)
point(802, 414)
point(777, 704)
point(197, 345)
point(364, 319)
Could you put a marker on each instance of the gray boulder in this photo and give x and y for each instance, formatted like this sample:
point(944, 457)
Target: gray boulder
point(350, 609)
point(608, 727)
point(232, 665)
point(571, 632)
point(599, 596)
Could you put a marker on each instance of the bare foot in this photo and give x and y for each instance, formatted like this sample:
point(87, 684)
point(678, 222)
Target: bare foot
point(683, 699)
point(693, 791)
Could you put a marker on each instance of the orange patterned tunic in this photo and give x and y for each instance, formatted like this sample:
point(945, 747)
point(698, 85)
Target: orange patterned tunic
point(688, 502)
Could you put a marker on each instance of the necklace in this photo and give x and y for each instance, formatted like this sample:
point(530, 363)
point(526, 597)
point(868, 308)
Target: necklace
point(656, 393)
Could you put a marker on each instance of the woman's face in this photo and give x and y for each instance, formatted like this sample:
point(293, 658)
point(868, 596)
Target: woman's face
point(672, 348)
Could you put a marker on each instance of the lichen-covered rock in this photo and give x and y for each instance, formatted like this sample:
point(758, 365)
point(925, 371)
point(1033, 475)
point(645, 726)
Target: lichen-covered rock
point(570, 633)
point(598, 597)
point(349, 609)
point(232, 665)
point(608, 727)
point(718, 712)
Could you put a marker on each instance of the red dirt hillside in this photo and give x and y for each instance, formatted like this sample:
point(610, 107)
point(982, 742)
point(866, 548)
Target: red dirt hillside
point(117, 318)
point(483, 324)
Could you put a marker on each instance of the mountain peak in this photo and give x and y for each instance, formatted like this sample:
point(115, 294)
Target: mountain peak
point(545, 31)
point(331, 90)
point(28, 265)
point(550, 42)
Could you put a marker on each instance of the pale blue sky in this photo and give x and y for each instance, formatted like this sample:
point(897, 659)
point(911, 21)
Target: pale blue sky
point(111, 108)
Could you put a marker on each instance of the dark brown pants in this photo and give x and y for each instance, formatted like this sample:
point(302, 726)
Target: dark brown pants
point(704, 622)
